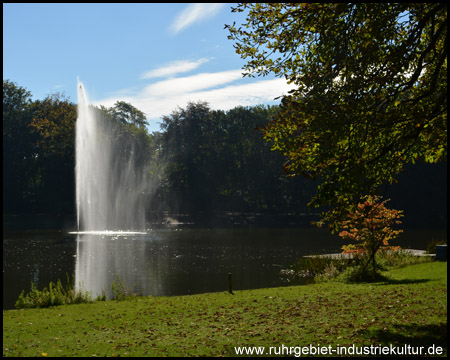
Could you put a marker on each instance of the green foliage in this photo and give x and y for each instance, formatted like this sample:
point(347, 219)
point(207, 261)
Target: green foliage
point(217, 161)
point(388, 259)
point(17, 147)
point(370, 96)
point(53, 127)
point(126, 113)
point(55, 294)
point(319, 267)
point(125, 125)
point(120, 290)
point(38, 152)
point(359, 274)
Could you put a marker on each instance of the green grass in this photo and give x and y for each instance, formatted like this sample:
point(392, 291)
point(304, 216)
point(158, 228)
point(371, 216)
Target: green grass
point(408, 309)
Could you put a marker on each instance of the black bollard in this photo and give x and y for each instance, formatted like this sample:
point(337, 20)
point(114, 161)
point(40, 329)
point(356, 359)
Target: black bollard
point(230, 285)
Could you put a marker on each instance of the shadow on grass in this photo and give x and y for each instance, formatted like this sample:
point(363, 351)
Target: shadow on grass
point(379, 279)
point(388, 281)
point(410, 334)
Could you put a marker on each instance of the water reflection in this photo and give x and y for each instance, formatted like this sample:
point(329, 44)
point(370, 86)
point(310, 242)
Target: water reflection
point(167, 261)
point(185, 261)
point(102, 259)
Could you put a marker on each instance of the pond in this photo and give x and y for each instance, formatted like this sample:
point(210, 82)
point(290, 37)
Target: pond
point(168, 261)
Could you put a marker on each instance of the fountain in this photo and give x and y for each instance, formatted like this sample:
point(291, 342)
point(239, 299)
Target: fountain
point(108, 185)
point(109, 201)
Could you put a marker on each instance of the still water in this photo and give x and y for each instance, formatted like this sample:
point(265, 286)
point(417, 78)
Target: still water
point(166, 262)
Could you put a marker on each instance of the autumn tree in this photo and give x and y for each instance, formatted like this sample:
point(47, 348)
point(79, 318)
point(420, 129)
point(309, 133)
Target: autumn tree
point(370, 90)
point(371, 226)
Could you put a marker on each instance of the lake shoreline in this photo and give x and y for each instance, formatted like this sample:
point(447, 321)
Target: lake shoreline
point(222, 219)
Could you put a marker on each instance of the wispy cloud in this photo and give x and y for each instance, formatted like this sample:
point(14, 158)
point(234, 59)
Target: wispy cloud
point(194, 13)
point(158, 104)
point(223, 90)
point(173, 68)
point(193, 83)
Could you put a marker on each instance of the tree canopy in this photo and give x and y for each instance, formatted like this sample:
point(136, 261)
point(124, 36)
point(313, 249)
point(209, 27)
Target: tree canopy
point(17, 144)
point(212, 160)
point(371, 90)
point(127, 113)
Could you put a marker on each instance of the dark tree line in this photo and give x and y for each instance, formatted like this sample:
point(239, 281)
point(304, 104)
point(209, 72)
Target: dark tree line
point(201, 161)
point(38, 152)
point(212, 160)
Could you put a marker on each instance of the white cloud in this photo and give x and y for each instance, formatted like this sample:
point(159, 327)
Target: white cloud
point(194, 13)
point(259, 92)
point(175, 67)
point(156, 104)
point(223, 90)
point(192, 83)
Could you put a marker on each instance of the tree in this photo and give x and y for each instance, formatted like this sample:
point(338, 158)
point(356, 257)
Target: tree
point(53, 126)
point(371, 226)
point(370, 96)
point(187, 151)
point(127, 113)
point(213, 160)
point(17, 148)
point(126, 127)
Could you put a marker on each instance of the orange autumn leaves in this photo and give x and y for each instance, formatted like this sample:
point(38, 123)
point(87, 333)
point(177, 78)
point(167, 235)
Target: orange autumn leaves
point(370, 225)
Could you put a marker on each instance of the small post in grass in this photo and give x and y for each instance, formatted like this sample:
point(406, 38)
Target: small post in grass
point(230, 284)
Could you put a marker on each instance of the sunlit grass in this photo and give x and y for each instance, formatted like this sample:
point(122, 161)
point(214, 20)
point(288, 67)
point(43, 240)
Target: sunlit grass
point(409, 308)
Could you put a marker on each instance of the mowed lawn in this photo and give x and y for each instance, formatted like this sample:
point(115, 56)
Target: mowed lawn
point(409, 309)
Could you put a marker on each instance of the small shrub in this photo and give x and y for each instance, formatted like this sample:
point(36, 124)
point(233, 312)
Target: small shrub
point(319, 268)
point(398, 258)
point(54, 295)
point(120, 290)
point(79, 297)
point(330, 272)
point(101, 297)
point(360, 273)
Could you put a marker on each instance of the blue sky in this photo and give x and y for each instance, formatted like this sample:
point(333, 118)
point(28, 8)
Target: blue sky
point(154, 56)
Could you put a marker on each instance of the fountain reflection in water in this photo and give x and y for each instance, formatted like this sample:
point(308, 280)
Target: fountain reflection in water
point(109, 188)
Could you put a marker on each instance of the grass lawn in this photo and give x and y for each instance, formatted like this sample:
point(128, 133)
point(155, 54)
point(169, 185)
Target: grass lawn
point(409, 309)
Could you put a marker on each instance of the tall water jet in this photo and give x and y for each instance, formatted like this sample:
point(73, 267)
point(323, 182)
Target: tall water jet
point(109, 198)
point(109, 185)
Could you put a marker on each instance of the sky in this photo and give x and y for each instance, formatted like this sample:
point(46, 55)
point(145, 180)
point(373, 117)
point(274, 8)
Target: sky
point(157, 57)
